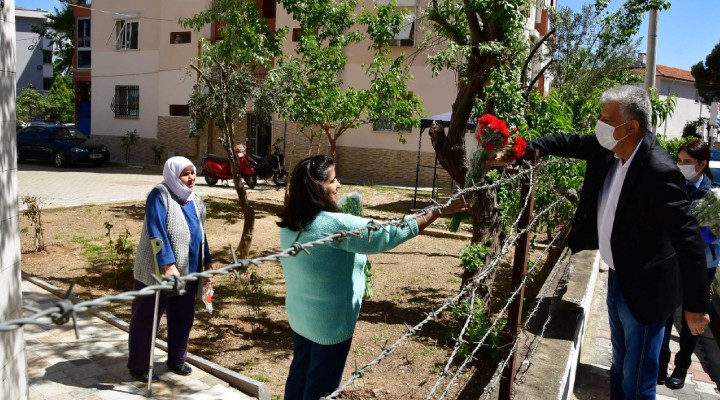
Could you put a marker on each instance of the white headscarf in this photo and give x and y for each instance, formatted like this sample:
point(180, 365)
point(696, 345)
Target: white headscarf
point(171, 176)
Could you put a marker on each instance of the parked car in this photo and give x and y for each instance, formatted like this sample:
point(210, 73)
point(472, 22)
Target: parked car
point(715, 155)
point(715, 169)
point(19, 125)
point(62, 145)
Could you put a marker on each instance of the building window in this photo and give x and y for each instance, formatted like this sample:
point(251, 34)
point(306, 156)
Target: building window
point(47, 56)
point(127, 35)
point(217, 28)
point(179, 37)
point(84, 2)
point(385, 125)
point(179, 110)
point(47, 83)
point(83, 42)
point(269, 8)
point(126, 102)
point(406, 36)
point(296, 34)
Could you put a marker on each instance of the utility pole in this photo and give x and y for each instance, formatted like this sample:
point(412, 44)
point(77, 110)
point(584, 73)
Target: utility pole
point(651, 54)
point(651, 50)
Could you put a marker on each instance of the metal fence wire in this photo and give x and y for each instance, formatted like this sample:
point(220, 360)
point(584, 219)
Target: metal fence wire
point(65, 310)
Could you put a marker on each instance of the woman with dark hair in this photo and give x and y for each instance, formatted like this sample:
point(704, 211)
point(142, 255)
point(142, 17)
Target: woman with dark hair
point(325, 288)
point(693, 161)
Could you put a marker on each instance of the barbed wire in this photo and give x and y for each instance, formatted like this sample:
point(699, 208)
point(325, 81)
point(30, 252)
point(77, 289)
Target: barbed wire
point(387, 350)
point(498, 372)
point(531, 269)
point(493, 263)
point(481, 342)
point(538, 338)
point(64, 309)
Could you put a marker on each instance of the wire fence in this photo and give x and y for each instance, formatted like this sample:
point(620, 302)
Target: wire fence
point(65, 310)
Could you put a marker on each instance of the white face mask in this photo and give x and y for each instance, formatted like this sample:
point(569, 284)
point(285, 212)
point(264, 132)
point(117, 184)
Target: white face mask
point(688, 171)
point(605, 134)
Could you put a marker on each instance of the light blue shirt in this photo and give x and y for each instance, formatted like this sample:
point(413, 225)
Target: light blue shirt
point(325, 288)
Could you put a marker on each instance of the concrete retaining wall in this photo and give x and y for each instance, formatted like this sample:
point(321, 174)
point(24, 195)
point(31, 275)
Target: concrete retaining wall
point(550, 373)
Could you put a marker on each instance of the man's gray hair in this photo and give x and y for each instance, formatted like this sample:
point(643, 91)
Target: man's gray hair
point(634, 104)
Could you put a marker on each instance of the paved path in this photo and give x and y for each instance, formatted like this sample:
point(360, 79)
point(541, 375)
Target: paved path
point(62, 367)
point(591, 380)
point(78, 186)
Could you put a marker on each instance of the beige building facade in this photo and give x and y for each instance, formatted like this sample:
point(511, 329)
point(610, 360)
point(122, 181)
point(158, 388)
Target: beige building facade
point(140, 82)
point(14, 380)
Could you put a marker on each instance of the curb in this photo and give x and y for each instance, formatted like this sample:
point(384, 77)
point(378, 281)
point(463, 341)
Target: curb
point(245, 384)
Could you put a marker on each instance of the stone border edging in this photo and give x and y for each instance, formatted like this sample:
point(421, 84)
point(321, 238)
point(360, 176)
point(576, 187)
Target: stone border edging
point(550, 373)
point(247, 385)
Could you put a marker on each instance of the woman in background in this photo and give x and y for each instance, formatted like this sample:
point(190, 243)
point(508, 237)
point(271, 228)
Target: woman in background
point(693, 160)
point(175, 215)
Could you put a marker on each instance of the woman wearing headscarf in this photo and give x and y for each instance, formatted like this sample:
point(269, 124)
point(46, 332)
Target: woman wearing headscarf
point(175, 215)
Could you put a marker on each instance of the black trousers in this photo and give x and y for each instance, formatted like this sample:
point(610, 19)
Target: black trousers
point(688, 341)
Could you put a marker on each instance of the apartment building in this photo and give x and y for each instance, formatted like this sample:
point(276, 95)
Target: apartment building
point(675, 81)
point(33, 53)
point(140, 82)
point(671, 81)
point(82, 64)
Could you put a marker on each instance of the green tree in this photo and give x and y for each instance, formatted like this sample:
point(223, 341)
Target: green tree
point(485, 44)
point(313, 93)
point(586, 59)
point(60, 100)
point(228, 82)
point(693, 129)
point(60, 30)
point(30, 104)
point(707, 76)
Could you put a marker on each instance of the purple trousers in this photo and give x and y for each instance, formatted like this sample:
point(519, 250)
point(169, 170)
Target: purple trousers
point(180, 318)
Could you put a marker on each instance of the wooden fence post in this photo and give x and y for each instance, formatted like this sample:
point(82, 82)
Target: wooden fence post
point(519, 272)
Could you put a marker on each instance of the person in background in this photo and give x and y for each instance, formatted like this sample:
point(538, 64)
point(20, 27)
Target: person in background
point(635, 210)
point(325, 287)
point(176, 215)
point(693, 161)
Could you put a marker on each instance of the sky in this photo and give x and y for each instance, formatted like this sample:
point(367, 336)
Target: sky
point(684, 37)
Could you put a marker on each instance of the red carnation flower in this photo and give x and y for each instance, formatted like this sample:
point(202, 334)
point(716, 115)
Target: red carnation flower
point(519, 146)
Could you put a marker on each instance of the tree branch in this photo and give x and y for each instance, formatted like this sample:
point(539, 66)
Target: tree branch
point(452, 32)
point(535, 79)
point(532, 54)
point(203, 76)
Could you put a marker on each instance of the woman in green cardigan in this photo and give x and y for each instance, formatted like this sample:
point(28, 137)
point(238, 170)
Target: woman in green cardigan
point(325, 288)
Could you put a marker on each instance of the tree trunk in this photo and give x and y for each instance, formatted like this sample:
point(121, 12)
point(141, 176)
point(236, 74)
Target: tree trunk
point(486, 230)
point(248, 213)
point(332, 148)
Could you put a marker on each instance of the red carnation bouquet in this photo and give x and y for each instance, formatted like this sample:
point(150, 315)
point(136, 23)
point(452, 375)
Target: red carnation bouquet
point(493, 137)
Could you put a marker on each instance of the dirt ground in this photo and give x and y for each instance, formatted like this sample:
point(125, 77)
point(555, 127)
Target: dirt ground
point(409, 281)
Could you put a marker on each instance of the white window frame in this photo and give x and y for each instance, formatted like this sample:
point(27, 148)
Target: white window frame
point(84, 49)
point(124, 37)
point(407, 31)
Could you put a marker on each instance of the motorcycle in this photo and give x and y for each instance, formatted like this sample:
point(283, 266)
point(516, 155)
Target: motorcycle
point(217, 167)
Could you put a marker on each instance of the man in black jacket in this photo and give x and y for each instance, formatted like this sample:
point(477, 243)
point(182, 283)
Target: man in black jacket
point(635, 210)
